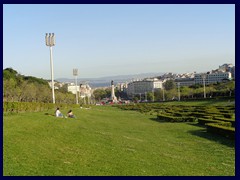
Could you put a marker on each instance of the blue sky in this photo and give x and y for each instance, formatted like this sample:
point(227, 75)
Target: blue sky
point(107, 40)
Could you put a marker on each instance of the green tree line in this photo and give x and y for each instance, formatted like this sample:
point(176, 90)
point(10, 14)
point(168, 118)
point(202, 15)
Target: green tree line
point(170, 91)
point(20, 88)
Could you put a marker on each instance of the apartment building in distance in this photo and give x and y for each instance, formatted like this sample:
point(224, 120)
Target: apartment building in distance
point(72, 88)
point(143, 86)
point(228, 68)
point(85, 90)
point(212, 77)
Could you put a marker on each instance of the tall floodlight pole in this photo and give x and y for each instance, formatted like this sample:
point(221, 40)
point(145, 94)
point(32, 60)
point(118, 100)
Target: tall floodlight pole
point(75, 73)
point(50, 41)
point(153, 94)
point(163, 94)
point(179, 91)
point(204, 78)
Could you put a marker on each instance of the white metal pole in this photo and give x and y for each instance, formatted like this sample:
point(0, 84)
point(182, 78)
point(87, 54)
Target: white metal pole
point(153, 95)
point(204, 87)
point(76, 90)
point(178, 91)
point(163, 95)
point(51, 60)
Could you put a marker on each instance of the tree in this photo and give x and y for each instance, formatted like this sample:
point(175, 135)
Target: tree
point(99, 94)
point(157, 95)
point(169, 85)
point(9, 86)
point(150, 96)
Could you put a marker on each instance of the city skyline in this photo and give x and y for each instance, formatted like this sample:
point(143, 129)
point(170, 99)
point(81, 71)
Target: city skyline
point(111, 40)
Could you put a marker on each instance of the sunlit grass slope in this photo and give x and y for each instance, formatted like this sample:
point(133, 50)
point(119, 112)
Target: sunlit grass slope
point(109, 141)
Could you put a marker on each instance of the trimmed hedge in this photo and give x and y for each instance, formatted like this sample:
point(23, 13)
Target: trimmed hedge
point(204, 121)
point(220, 129)
point(18, 107)
point(232, 121)
point(169, 118)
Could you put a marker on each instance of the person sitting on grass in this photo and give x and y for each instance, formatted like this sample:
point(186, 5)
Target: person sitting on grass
point(58, 113)
point(70, 114)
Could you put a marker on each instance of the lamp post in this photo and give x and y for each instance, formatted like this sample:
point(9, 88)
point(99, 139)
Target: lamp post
point(75, 73)
point(153, 94)
point(179, 91)
point(204, 78)
point(163, 94)
point(50, 41)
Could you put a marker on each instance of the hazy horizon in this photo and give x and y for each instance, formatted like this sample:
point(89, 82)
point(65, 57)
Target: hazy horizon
point(109, 40)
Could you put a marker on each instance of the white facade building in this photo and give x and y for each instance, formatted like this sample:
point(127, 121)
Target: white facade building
point(212, 77)
point(85, 90)
point(185, 81)
point(143, 86)
point(72, 88)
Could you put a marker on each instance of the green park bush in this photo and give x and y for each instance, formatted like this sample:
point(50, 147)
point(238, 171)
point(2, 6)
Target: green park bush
point(232, 121)
point(18, 107)
point(221, 129)
point(204, 121)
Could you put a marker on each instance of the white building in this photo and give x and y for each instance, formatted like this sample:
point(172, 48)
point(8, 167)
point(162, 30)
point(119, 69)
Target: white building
point(143, 86)
point(228, 68)
point(185, 81)
point(72, 88)
point(85, 90)
point(213, 77)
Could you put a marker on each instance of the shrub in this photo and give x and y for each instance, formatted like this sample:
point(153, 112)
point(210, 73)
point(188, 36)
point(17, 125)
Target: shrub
point(10, 107)
point(220, 129)
point(203, 121)
point(232, 121)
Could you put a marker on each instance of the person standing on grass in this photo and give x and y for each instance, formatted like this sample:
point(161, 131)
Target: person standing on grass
point(58, 113)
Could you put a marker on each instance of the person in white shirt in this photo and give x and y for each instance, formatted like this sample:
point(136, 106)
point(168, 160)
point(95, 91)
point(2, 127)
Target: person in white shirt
point(58, 113)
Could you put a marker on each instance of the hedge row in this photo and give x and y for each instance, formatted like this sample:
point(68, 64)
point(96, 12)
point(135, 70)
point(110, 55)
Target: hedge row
point(203, 121)
point(219, 128)
point(17, 107)
point(170, 118)
point(232, 121)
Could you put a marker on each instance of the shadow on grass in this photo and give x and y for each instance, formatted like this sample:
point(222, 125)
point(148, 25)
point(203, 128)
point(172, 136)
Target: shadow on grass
point(213, 137)
point(48, 114)
point(158, 120)
point(203, 133)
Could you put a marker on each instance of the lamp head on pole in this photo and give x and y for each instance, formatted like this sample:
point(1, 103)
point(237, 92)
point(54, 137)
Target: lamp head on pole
point(75, 72)
point(50, 39)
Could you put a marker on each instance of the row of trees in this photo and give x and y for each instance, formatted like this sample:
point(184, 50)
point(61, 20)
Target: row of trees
point(19, 88)
point(100, 94)
point(171, 91)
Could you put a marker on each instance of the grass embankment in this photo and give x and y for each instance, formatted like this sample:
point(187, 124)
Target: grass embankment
point(110, 141)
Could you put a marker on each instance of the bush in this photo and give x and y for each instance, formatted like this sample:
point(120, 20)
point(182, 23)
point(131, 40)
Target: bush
point(16, 107)
point(220, 129)
point(203, 121)
point(232, 121)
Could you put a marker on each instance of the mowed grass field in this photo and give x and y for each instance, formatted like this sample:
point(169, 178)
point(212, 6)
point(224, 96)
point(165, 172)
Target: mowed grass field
point(107, 141)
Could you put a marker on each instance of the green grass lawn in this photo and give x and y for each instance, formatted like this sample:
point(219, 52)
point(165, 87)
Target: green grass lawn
point(105, 140)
